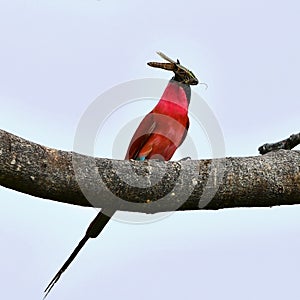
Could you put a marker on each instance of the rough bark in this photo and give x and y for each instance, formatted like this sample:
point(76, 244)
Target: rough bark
point(259, 181)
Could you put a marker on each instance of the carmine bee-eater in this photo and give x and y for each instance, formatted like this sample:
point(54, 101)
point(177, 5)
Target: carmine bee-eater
point(158, 136)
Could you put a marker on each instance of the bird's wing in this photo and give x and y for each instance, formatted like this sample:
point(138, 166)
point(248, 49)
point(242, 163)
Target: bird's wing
point(140, 138)
point(185, 132)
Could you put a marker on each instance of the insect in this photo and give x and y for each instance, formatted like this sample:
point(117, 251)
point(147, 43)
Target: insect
point(182, 74)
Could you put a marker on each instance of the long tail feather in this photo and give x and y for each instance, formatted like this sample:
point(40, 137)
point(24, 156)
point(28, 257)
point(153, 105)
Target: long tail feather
point(65, 265)
point(93, 231)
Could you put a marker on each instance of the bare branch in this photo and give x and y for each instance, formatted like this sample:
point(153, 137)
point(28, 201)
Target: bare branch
point(291, 142)
point(260, 181)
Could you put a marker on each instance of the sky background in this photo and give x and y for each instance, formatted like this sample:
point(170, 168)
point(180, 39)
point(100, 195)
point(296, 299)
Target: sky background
point(57, 57)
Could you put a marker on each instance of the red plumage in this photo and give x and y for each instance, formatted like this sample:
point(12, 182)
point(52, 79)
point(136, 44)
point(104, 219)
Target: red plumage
point(163, 130)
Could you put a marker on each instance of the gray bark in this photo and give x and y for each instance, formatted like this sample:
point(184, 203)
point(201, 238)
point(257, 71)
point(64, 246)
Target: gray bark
point(150, 186)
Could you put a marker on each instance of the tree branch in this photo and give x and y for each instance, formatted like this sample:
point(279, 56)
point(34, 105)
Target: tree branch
point(291, 142)
point(150, 186)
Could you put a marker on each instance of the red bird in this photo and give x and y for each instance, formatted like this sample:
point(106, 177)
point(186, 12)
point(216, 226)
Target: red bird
point(158, 136)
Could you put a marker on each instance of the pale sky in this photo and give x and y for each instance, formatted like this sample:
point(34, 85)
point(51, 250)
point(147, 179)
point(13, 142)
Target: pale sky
point(57, 57)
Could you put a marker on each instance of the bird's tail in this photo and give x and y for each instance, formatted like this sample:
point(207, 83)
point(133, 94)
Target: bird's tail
point(93, 231)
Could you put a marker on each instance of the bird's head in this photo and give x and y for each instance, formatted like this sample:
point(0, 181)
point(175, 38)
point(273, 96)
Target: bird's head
point(182, 74)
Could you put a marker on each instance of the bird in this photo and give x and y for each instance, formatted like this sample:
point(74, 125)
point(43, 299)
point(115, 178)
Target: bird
point(158, 136)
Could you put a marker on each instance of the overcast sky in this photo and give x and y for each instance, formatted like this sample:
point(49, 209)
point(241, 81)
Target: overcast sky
point(58, 57)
